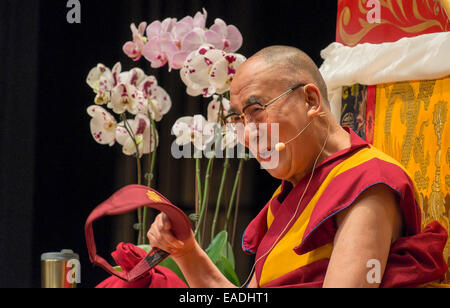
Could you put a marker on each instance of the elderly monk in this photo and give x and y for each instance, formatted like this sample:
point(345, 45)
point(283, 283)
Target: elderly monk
point(346, 214)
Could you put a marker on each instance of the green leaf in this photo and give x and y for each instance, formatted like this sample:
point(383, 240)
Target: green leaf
point(170, 264)
point(228, 253)
point(221, 254)
point(227, 270)
point(118, 268)
point(215, 250)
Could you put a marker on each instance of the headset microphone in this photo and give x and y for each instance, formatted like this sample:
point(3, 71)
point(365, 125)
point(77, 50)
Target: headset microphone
point(281, 146)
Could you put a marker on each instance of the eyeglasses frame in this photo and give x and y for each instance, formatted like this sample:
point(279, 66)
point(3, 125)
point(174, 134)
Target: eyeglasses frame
point(287, 92)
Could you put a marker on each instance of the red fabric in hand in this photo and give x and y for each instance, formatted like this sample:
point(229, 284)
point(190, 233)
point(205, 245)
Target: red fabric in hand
point(128, 256)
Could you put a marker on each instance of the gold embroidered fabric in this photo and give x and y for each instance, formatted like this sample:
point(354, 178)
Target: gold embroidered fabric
point(412, 124)
point(397, 19)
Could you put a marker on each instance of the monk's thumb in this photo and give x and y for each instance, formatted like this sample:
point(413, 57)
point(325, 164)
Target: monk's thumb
point(167, 225)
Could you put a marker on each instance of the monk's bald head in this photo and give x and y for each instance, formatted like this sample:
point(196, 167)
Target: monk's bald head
point(294, 63)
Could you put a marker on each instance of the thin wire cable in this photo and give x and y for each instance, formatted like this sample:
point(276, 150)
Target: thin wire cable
point(296, 210)
point(299, 133)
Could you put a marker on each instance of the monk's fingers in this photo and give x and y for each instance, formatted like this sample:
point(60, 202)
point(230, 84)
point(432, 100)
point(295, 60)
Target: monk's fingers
point(171, 240)
point(158, 243)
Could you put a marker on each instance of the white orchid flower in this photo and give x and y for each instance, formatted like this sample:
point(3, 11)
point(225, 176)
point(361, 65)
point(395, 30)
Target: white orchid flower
point(136, 132)
point(223, 71)
point(208, 70)
point(102, 80)
point(159, 104)
point(133, 77)
point(197, 69)
point(103, 125)
point(195, 130)
point(126, 97)
point(93, 78)
point(225, 133)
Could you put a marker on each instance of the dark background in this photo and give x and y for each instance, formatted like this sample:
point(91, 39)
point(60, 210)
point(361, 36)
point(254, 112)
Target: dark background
point(53, 174)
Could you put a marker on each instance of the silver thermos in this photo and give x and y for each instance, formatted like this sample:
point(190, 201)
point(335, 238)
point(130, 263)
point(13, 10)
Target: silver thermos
point(60, 269)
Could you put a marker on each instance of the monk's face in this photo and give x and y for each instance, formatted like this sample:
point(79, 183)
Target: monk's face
point(258, 80)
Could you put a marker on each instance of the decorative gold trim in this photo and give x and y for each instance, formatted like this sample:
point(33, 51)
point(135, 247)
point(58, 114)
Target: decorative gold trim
point(153, 196)
point(446, 5)
point(353, 39)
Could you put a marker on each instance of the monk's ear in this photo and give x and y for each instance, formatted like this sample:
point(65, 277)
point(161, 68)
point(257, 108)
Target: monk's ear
point(313, 100)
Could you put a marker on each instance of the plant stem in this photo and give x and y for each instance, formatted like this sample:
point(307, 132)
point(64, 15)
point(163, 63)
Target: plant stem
point(130, 133)
point(233, 193)
point(236, 212)
point(139, 176)
point(226, 166)
point(139, 170)
point(154, 137)
point(198, 190)
point(150, 175)
point(204, 196)
point(205, 214)
point(199, 182)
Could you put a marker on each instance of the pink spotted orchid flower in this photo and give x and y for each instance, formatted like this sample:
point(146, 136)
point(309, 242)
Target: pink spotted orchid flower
point(171, 41)
point(208, 70)
point(226, 133)
point(102, 80)
point(103, 125)
point(196, 130)
point(137, 132)
point(131, 91)
point(229, 137)
point(224, 37)
point(126, 97)
point(134, 49)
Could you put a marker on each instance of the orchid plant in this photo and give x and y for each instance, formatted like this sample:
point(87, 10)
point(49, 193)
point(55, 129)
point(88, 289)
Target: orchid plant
point(171, 41)
point(208, 72)
point(207, 63)
point(139, 103)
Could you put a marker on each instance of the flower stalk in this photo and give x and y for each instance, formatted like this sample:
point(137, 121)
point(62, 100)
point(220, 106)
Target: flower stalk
point(226, 166)
point(204, 196)
point(150, 176)
point(140, 212)
point(198, 182)
point(233, 193)
point(141, 236)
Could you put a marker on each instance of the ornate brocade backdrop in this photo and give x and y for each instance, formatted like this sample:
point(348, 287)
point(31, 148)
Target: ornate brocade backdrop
point(408, 120)
point(399, 18)
point(420, 140)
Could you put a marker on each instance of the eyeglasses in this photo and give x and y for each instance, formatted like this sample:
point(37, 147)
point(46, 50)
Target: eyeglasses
point(255, 111)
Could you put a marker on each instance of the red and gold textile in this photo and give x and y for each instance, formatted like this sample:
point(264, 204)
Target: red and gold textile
point(398, 19)
point(300, 258)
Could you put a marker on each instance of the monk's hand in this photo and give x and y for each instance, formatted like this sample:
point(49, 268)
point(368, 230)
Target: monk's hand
point(160, 236)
